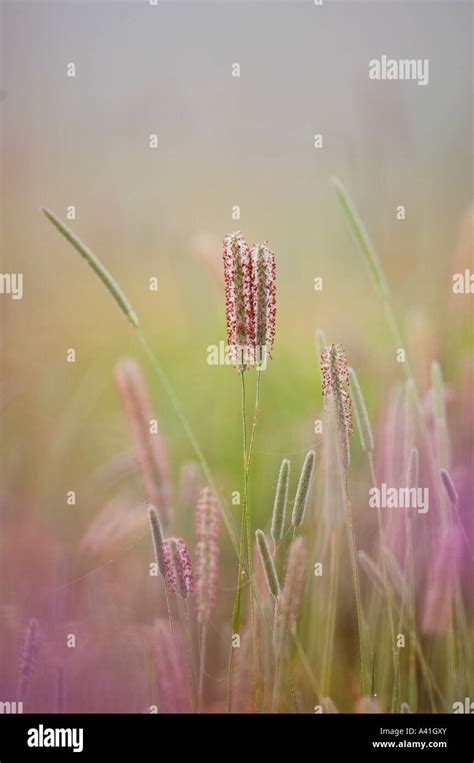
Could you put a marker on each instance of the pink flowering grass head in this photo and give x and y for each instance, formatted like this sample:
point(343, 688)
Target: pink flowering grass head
point(250, 296)
point(293, 587)
point(150, 450)
point(335, 388)
point(178, 567)
point(442, 581)
point(206, 554)
point(238, 303)
point(263, 298)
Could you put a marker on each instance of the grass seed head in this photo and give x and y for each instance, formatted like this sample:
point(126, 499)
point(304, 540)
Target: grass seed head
point(302, 491)
point(268, 565)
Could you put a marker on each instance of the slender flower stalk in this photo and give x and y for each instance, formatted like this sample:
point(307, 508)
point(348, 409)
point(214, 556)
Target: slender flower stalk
point(335, 391)
point(302, 491)
point(361, 415)
point(365, 247)
point(206, 569)
point(338, 404)
point(289, 610)
point(441, 582)
point(250, 299)
point(371, 570)
point(162, 560)
point(413, 468)
point(180, 581)
point(293, 587)
point(361, 238)
point(279, 505)
point(367, 443)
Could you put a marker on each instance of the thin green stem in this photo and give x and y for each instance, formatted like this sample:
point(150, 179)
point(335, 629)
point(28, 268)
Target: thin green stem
point(249, 538)
point(358, 597)
point(190, 434)
point(237, 611)
point(388, 594)
point(331, 616)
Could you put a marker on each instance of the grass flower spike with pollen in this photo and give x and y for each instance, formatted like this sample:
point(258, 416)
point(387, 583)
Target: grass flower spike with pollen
point(206, 570)
point(238, 299)
point(279, 506)
point(178, 567)
point(268, 566)
point(335, 375)
point(250, 300)
point(158, 540)
point(338, 413)
point(302, 491)
point(263, 300)
point(250, 295)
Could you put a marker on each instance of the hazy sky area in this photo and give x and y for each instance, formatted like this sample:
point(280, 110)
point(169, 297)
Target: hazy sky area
point(226, 141)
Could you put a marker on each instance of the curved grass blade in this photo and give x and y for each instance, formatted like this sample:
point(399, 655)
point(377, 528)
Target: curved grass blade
point(361, 237)
point(96, 266)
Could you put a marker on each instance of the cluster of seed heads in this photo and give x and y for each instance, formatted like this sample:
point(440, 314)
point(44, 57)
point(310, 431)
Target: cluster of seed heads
point(250, 298)
point(178, 567)
point(172, 558)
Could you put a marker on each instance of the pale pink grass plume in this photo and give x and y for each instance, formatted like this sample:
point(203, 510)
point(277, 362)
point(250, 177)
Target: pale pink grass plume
point(441, 581)
point(149, 447)
point(178, 567)
point(206, 554)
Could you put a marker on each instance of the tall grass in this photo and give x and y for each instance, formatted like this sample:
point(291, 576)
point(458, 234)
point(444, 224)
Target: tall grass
point(399, 575)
